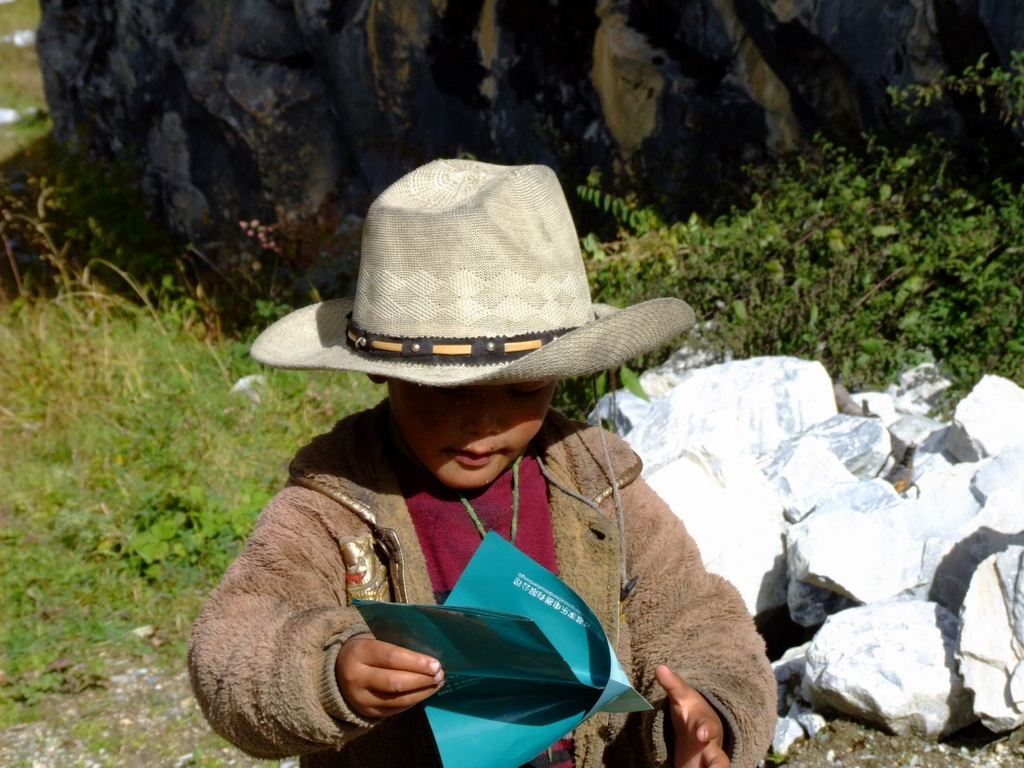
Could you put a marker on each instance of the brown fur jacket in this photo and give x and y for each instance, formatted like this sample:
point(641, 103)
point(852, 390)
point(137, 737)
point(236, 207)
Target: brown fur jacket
point(262, 651)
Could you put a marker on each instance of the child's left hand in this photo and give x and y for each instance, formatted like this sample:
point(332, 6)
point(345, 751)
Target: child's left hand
point(697, 727)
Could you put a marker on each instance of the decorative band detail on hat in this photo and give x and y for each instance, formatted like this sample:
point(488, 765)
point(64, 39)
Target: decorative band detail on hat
point(478, 350)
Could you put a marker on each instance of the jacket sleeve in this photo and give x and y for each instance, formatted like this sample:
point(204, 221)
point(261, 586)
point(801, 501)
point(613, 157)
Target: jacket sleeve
point(262, 651)
point(697, 623)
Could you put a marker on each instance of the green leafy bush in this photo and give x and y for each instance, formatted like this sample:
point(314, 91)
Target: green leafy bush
point(72, 218)
point(868, 261)
point(189, 528)
point(994, 90)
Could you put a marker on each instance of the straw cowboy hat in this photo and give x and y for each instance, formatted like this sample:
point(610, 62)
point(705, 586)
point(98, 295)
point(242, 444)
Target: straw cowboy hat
point(470, 273)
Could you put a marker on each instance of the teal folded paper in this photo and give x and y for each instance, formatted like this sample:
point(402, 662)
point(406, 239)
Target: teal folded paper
point(525, 659)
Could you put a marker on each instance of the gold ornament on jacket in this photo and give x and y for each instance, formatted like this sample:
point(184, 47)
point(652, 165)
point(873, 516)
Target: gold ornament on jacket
point(366, 577)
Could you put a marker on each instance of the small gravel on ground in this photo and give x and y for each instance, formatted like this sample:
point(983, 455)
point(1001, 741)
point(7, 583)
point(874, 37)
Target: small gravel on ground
point(141, 716)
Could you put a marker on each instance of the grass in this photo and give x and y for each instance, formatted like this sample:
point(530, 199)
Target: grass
point(21, 85)
point(115, 423)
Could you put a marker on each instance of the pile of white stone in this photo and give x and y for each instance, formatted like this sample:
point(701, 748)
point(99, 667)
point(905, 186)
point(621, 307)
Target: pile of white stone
point(913, 586)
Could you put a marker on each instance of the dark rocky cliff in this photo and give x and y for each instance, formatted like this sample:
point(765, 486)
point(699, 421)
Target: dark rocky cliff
point(244, 108)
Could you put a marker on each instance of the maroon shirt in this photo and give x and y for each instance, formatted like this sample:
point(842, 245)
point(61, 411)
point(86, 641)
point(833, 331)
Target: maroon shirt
point(449, 537)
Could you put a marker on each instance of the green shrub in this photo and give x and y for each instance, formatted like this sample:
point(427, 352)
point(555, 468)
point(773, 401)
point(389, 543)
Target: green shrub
point(996, 92)
point(71, 217)
point(869, 262)
point(870, 259)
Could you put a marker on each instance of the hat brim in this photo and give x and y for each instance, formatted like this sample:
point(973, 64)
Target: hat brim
point(314, 337)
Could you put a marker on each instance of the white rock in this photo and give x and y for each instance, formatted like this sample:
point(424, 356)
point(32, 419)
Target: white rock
point(712, 494)
point(881, 404)
point(623, 410)
point(893, 664)
point(751, 405)
point(991, 642)
point(21, 38)
point(749, 445)
point(801, 472)
point(861, 444)
point(8, 116)
point(250, 386)
point(858, 496)
point(809, 605)
point(811, 722)
point(828, 549)
point(928, 434)
point(945, 501)
point(659, 380)
point(919, 390)
point(1003, 511)
point(910, 541)
point(999, 525)
point(987, 421)
point(789, 675)
point(1001, 471)
point(787, 732)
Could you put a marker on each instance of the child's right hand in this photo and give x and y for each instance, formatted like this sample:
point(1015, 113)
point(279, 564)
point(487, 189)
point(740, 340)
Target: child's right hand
point(379, 679)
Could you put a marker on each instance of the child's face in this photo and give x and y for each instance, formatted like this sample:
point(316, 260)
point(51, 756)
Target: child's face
point(467, 436)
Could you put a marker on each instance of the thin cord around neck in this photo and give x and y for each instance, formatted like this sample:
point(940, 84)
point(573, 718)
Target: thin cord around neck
point(627, 584)
point(515, 506)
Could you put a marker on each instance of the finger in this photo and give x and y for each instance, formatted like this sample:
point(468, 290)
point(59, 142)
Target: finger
point(375, 703)
point(377, 692)
point(711, 756)
point(681, 696)
point(673, 684)
point(390, 684)
point(697, 728)
point(707, 730)
point(377, 653)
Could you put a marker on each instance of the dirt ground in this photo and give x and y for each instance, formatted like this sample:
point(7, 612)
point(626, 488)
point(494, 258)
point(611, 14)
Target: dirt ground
point(856, 746)
point(143, 717)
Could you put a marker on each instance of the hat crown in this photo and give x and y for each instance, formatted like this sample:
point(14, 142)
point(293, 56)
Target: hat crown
point(470, 274)
point(459, 248)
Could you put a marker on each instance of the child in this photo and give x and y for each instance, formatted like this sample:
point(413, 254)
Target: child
point(472, 300)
